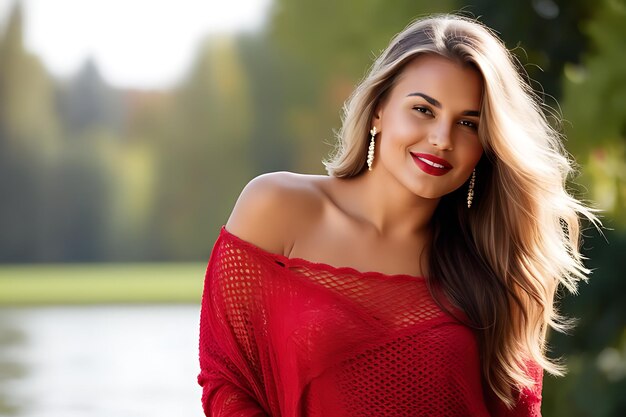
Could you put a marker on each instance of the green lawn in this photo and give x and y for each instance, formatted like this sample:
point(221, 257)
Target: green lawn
point(101, 283)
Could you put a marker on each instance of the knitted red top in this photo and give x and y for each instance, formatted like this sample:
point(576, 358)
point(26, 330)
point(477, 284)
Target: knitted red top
point(288, 337)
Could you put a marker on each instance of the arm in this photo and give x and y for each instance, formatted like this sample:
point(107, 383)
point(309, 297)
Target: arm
point(222, 395)
point(231, 336)
point(227, 373)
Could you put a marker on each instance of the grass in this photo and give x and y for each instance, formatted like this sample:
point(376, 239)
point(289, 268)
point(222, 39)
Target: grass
point(101, 283)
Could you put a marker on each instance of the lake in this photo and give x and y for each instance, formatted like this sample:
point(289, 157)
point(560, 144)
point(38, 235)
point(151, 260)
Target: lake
point(99, 361)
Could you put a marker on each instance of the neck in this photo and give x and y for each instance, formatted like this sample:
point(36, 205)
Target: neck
point(389, 207)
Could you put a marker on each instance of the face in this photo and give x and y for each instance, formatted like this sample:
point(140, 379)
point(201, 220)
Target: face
point(428, 126)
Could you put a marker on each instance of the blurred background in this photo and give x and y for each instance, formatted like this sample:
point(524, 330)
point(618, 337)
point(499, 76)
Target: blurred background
point(128, 128)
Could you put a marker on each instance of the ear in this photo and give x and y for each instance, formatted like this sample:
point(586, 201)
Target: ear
point(377, 118)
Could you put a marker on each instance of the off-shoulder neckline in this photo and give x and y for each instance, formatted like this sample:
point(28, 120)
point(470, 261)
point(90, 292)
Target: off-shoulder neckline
point(293, 262)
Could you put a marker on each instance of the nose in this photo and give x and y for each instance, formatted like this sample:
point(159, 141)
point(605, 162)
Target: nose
point(440, 136)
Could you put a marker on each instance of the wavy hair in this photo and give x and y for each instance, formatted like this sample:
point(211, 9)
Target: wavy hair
point(506, 257)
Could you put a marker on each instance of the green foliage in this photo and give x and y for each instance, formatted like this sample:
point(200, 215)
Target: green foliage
point(544, 34)
point(203, 157)
point(595, 351)
point(27, 117)
point(594, 101)
point(343, 37)
point(29, 142)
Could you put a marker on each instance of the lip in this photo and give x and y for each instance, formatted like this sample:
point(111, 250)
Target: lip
point(434, 165)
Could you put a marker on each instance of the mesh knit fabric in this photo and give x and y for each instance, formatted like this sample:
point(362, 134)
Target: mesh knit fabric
point(288, 337)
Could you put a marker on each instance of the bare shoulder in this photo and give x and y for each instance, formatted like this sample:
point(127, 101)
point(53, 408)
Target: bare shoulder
point(274, 208)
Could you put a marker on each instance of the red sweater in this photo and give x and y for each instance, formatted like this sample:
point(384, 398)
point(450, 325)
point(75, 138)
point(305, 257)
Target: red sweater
point(288, 337)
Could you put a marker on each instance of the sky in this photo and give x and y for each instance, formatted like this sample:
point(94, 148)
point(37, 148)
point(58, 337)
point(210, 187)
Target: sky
point(145, 44)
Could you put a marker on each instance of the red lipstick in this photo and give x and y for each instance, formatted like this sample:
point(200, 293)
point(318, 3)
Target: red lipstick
point(431, 164)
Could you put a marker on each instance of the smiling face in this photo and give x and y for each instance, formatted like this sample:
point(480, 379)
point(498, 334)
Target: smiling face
point(429, 126)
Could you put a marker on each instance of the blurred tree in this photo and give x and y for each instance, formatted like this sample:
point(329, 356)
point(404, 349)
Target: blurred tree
point(544, 34)
point(343, 37)
point(131, 160)
point(594, 102)
point(29, 141)
point(77, 194)
point(53, 182)
point(88, 103)
point(595, 351)
point(270, 82)
point(81, 186)
point(27, 114)
point(204, 156)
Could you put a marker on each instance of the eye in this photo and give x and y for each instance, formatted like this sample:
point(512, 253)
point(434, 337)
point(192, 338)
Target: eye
point(469, 123)
point(423, 109)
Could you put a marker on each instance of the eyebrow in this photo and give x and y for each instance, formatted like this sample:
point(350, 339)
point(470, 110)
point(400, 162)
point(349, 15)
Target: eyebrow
point(436, 103)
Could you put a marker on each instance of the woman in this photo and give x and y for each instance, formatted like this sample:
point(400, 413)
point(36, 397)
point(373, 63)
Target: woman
point(448, 183)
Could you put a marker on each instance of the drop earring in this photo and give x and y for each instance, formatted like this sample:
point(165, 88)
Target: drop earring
point(470, 189)
point(370, 151)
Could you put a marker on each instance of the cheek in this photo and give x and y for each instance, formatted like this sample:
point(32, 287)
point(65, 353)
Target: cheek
point(400, 125)
point(472, 152)
point(478, 153)
point(401, 136)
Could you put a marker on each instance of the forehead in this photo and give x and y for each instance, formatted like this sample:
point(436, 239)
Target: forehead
point(443, 79)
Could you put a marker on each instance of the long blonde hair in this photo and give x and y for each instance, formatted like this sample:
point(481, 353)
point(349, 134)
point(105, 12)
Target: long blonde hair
point(503, 260)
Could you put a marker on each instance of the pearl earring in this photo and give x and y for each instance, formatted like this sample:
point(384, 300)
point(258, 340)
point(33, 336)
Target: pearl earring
point(470, 189)
point(370, 151)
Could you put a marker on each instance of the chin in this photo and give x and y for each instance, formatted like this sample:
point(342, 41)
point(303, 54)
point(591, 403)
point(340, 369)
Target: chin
point(429, 195)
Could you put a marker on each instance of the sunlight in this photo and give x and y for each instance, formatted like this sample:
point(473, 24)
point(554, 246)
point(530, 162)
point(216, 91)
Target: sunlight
point(137, 44)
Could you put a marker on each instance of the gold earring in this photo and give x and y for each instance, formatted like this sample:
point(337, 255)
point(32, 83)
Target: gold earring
point(470, 189)
point(370, 151)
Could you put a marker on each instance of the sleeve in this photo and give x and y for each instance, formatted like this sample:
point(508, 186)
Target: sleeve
point(228, 375)
point(529, 399)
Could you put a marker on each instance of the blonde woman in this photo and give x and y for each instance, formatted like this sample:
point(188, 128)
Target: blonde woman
point(418, 277)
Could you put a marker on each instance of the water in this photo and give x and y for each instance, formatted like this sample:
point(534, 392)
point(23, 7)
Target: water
point(99, 361)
